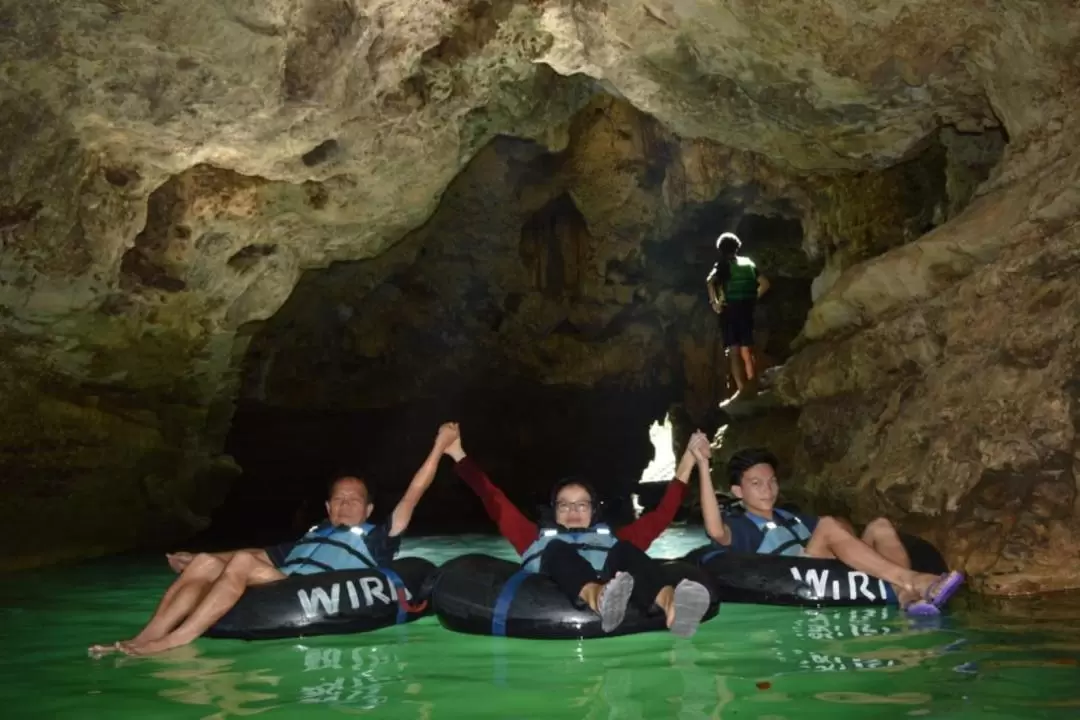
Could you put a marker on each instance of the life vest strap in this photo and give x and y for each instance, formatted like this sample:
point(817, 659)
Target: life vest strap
point(575, 546)
point(307, 561)
point(779, 550)
point(341, 545)
point(787, 522)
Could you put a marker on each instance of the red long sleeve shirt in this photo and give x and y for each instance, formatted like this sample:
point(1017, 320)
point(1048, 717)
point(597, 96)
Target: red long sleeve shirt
point(521, 532)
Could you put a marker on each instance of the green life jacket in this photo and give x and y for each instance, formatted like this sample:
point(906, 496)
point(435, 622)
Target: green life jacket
point(742, 283)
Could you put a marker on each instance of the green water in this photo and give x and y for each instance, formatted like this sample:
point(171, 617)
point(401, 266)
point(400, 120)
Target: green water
point(753, 662)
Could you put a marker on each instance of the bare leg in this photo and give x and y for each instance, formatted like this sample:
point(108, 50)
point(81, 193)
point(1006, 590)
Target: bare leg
point(665, 600)
point(181, 597)
point(882, 537)
point(241, 572)
point(832, 539)
point(736, 369)
point(747, 354)
point(186, 599)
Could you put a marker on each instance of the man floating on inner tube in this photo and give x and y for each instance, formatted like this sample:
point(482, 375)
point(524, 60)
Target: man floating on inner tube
point(592, 564)
point(765, 529)
point(210, 584)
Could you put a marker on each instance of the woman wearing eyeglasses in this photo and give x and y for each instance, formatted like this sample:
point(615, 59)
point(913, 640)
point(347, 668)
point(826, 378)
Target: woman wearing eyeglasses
point(589, 562)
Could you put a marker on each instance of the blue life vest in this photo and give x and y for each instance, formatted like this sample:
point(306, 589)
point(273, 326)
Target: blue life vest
point(592, 543)
point(787, 537)
point(325, 548)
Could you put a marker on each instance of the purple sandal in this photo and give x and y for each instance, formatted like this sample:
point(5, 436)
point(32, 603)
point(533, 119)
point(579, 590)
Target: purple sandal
point(937, 595)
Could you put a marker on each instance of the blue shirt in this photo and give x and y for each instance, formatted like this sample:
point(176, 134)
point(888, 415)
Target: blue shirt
point(745, 536)
point(383, 547)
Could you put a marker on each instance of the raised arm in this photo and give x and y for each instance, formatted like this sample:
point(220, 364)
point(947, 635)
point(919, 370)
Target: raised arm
point(710, 508)
point(512, 524)
point(643, 531)
point(448, 434)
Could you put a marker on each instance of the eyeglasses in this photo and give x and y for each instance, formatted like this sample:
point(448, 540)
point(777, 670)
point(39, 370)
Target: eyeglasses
point(568, 506)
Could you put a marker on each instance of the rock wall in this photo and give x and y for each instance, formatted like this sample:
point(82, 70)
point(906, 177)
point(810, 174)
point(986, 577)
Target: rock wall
point(173, 169)
point(170, 169)
point(553, 303)
point(942, 388)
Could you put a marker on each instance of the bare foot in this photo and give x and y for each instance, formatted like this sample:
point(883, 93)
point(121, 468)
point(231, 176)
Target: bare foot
point(152, 647)
point(921, 583)
point(905, 596)
point(913, 587)
point(144, 637)
point(100, 651)
point(126, 645)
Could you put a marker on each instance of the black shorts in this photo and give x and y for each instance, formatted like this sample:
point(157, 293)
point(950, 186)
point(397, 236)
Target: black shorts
point(737, 323)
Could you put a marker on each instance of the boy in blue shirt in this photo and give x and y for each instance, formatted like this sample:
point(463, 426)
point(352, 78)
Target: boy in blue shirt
point(764, 529)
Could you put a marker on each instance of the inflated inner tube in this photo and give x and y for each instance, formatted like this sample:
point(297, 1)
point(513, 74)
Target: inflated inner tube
point(483, 595)
point(793, 580)
point(347, 601)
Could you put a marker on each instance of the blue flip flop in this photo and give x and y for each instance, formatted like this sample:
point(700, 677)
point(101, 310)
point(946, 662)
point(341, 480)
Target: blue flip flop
point(937, 595)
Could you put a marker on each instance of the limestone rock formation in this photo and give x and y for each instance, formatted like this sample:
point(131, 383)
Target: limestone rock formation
point(943, 386)
point(171, 168)
point(567, 282)
point(174, 169)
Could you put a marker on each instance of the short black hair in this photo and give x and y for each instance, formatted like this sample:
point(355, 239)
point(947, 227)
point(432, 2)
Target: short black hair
point(566, 482)
point(747, 458)
point(728, 243)
point(338, 477)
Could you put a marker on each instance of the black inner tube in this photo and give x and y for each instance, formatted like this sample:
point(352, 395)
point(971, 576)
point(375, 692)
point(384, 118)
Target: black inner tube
point(793, 580)
point(346, 601)
point(483, 595)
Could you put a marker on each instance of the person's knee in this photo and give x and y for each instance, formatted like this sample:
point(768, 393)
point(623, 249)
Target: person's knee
point(879, 527)
point(240, 565)
point(830, 525)
point(204, 564)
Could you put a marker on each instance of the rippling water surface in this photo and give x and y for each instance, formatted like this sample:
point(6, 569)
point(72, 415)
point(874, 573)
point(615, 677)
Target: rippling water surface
point(751, 662)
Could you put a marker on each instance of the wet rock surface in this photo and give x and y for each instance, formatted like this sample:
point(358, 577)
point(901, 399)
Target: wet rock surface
point(298, 205)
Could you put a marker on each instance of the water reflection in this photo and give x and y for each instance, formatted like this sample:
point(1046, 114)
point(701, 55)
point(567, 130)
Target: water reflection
point(855, 639)
point(755, 663)
point(360, 678)
point(353, 676)
point(587, 680)
point(210, 681)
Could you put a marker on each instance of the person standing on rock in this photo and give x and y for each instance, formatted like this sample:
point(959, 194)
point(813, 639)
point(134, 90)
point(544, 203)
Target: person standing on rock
point(734, 286)
point(765, 529)
point(210, 584)
point(590, 563)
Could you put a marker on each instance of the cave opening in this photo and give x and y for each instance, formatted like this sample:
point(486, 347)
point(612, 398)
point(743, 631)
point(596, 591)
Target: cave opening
point(772, 235)
point(525, 436)
point(562, 330)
